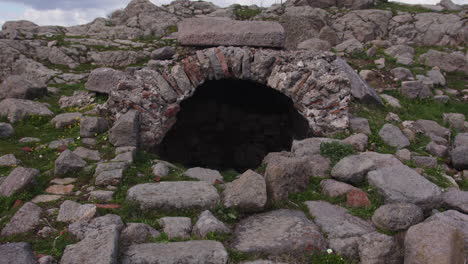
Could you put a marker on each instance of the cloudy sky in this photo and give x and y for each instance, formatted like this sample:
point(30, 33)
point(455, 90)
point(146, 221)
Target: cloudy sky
point(73, 12)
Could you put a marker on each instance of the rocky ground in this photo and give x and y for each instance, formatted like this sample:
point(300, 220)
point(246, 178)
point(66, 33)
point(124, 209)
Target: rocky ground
point(79, 184)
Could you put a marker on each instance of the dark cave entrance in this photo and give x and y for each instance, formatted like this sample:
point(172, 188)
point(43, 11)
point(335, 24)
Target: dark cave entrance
point(232, 124)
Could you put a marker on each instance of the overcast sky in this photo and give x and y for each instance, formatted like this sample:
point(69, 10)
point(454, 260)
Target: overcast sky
point(73, 12)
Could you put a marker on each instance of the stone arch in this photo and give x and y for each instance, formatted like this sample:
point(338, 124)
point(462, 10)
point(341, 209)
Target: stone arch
point(318, 88)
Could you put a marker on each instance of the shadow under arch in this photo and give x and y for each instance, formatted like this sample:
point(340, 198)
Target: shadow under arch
point(232, 123)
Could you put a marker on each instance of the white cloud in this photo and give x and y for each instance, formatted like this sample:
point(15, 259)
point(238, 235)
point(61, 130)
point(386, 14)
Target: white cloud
point(61, 17)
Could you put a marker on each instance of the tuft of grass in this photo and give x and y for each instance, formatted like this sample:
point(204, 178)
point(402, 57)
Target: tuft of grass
point(324, 258)
point(245, 13)
point(436, 175)
point(335, 151)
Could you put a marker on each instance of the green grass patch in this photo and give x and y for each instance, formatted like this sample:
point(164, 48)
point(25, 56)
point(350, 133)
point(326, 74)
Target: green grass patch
point(335, 151)
point(245, 13)
point(325, 258)
point(436, 175)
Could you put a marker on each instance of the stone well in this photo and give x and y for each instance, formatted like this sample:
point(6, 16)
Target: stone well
point(309, 89)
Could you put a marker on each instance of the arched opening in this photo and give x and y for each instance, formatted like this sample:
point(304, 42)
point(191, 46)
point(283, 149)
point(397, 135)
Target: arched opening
point(232, 124)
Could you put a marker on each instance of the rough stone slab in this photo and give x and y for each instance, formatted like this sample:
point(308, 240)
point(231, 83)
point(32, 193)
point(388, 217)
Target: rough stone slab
point(403, 184)
point(125, 131)
point(352, 168)
point(45, 198)
point(208, 223)
point(66, 119)
point(174, 195)
point(203, 174)
point(87, 154)
point(359, 88)
point(225, 32)
point(60, 189)
point(334, 188)
point(9, 160)
point(456, 199)
point(434, 242)
point(277, 232)
point(98, 247)
point(72, 211)
point(376, 248)
point(17, 180)
point(13, 253)
point(137, 233)
point(18, 109)
point(397, 216)
point(247, 193)
point(25, 220)
point(393, 136)
point(112, 177)
point(104, 80)
point(82, 229)
point(6, 130)
point(336, 222)
point(68, 162)
point(176, 227)
point(190, 252)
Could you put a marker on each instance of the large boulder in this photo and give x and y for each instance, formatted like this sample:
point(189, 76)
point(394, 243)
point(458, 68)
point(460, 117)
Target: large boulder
point(360, 89)
point(125, 131)
point(449, 62)
point(404, 54)
point(71, 212)
point(431, 128)
point(202, 174)
point(456, 199)
point(82, 228)
point(460, 157)
point(277, 232)
point(434, 242)
point(208, 223)
point(17, 86)
point(105, 80)
point(68, 162)
point(190, 252)
point(302, 23)
point(137, 233)
point(6, 130)
point(393, 136)
point(226, 32)
point(377, 248)
point(25, 220)
point(397, 216)
point(17, 253)
point(19, 179)
point(363, 25)
point(90, 126)
point(403, 184)
point(18, 109)
point(247, 193)
point(353, 168)
point(98, 247)
point(174, 195)
point(117, 58)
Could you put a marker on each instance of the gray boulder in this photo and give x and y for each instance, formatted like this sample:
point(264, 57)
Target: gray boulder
point(208, 223)
point(125, 131)
point(137, 233)
point(448, 62)
point(105, 80)
point(83, 228)
point(277, 232)
point(71, 212)
point(160, 169)
point(382, 160)
point(247, 193)
point(352, 168)
point(403, 184)
point(434, 242)
point(190, 252)
point(314, 44)
point(19, 179)
point(358, 141)
point(18, 109)
point(461, 140)
point(17, 253)
point(16, 86)
point(360, 89)
point(415, 89)
point(98, 247)
point(9, 160)
point(376, 248)
point(164, 53)
point(174, 195)
point(401, 74)
point(455, 121)
point(176, 227)
point(6, 130)
point(349, 46)
point(460, 158)
point(202, 174)
point(397, 216)
point(25, 220)
point(91, 125)
point(360, 125)
point(68, 162)
point(334, 188)
point(109, 177)
point(66, 119)
point(430, 127)
point(225, 32)
point(101, 196)
point(436, 149)
point(456, 199)
point(436, 77)
point(403, 53)
point(87, 154)
point(393, 136)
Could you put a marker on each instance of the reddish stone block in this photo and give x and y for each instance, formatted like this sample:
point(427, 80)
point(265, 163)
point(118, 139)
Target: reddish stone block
point(357, 198)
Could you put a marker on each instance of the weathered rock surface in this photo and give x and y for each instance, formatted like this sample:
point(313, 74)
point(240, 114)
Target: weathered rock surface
point(393, 136)
point(68, 162)
point(208, 223)
point(202, 174)
point(334, 188)
point(25, 220)
point(430, 127)
point(137, 233)
point(72, 211)
point(376, 248)
point(109, 177)
point(6, 130)
point(460, 157)
point(352, 168)
point(87, 154)
point(190, 252)
point(17, 253)
point(176, 227)
point(174, 195)
point(397, 216)
point(19, 87)
point(402, 184)
point(449, 62)
point(456, 199)
point(9, 160)
point(434, 242)
point(90, 126)
point(247, 193)
point(19, 179)
point(277, 232)
point(83, 228)
point(105, 80)
point(66, 119)
point(125, 131)
point(18, 109)
point(223, 32)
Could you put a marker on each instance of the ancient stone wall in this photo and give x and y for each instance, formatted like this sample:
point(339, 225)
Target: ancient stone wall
point(319, 90)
